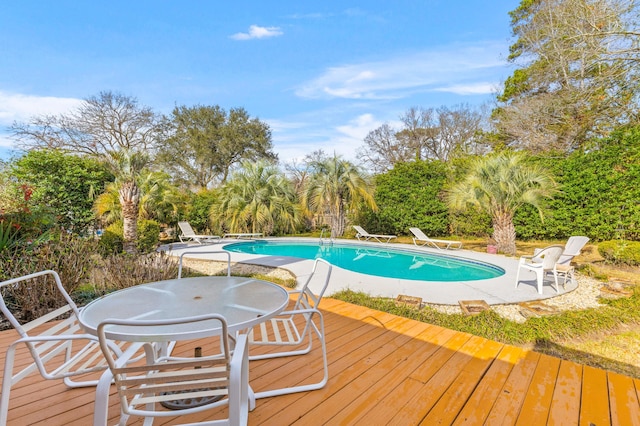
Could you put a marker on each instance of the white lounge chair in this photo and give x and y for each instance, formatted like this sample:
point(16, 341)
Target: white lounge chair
point(188, 234)
point(421, 237)
point(571, 249)
point(543, 262)
point(361, 233)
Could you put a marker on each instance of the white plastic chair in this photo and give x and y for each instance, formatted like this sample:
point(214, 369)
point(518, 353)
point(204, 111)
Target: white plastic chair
point(205, 252)
point(59, 347)
point(162, 379)
point(541, 263)
point(285, 331)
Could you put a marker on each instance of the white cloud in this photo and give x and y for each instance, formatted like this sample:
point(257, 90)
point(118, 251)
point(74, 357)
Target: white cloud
point(256, 31)
point(480, 88)
point(464, 69)
point(293, 142)
point(19, 107)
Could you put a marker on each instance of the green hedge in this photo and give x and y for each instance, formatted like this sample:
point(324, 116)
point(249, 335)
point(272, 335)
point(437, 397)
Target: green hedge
point(600, 195)
point(409, 195)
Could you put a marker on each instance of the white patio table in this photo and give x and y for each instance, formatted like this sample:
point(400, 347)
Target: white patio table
point(244, 302)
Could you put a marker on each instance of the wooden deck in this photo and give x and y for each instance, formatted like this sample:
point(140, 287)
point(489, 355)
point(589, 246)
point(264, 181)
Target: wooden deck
point(390, 370)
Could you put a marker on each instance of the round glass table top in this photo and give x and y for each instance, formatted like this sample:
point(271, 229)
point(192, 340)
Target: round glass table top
point(244, 302)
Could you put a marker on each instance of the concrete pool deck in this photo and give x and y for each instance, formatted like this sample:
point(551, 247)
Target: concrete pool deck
point(494, 291)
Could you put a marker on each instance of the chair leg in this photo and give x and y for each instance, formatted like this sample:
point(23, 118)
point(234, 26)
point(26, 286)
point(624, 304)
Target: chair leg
point(101, 407)
point(540, 279)
point(7, 381)
point(305, 388)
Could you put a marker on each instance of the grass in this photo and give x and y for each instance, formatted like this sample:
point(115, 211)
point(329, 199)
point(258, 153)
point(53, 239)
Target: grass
point(605, 337)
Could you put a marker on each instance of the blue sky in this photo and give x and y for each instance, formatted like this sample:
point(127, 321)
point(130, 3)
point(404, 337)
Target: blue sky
point(321, 74)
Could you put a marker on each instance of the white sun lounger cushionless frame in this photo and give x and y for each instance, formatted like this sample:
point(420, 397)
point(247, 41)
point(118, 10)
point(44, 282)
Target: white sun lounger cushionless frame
point(188, 234)
point(362, 234)
point(421, 237)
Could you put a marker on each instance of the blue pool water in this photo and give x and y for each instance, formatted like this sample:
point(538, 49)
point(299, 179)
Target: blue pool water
point(383, 261)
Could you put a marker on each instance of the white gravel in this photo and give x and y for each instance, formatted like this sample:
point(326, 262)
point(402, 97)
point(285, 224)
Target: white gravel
point(583, 297)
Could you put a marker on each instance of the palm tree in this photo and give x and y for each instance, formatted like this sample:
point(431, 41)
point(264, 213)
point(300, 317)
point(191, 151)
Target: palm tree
point(500, 184)
point(337, 187)
point(149, 195)
point(257, 198)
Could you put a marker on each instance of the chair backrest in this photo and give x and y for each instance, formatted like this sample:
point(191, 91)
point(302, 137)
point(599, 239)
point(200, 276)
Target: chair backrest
point(159, 380)
point(417, 232)
point(572, 249)
point(69, 308)
point(205, 252)
point(549, 256)
point(54, 354)
point(360, 230)
point(186, 229)
point(319, 280)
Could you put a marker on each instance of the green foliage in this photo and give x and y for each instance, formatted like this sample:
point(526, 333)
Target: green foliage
point(199, 208)
point(62, 185)
point(620, 251)
point(599, 197)
point(257, 198)
point(112, 239)
point(148, 235)
point(204, 142)
point(8, 235)
point(409, 195)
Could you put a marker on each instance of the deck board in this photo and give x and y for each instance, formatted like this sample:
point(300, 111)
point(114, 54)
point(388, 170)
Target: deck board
point(385, 370)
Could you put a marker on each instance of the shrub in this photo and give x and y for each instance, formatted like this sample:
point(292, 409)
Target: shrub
point(112, 239)
point(148, 235)
point(619, 251)
point(64, 253)
point(125, 270)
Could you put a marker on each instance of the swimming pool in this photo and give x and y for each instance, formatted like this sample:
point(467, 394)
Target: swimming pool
point(379, 261)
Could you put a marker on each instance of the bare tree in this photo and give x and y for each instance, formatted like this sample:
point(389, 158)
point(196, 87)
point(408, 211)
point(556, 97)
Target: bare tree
point(426, 134)
point(577, 75)
point(383, 149)
point(109, 127)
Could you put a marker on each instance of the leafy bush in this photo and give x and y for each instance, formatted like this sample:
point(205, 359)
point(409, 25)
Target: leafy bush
point(618, 251)
point(199, 209)
point(112, 239)
point(148, 235)
point(62, 185)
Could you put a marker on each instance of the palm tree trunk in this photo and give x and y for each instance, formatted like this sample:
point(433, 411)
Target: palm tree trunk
point(129, 200)
point(504, 232)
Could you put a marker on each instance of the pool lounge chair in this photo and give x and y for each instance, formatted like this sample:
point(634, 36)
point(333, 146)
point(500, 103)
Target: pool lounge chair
point(188, 234)
point(362, 234)
point(421, 237)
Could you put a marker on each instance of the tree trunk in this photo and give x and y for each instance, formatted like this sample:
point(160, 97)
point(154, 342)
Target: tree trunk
point(338, 220)
point(504, 232)
point(129, 200)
